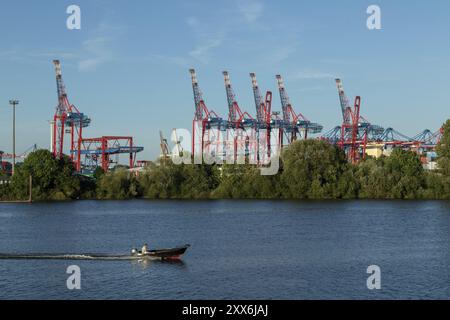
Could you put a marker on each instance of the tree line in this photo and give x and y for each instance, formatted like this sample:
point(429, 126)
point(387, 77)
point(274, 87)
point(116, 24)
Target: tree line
point(309, 169)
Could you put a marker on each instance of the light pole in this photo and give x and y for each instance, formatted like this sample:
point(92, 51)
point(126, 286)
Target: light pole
point(14, 103)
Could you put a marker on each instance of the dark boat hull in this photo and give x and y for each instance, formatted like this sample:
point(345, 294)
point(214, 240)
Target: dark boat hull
point(173, 253)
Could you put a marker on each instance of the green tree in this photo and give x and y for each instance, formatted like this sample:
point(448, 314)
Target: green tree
point(406, 174)
point(399, 176)
point(245, 182)
point(198, 181)
point(119, 184)
point(437, 186)
point(312, 170)
point(53, 179)
point(441, 183)
point(443, 150)
point(185, 181)
point(156, 182)
point(373, 182)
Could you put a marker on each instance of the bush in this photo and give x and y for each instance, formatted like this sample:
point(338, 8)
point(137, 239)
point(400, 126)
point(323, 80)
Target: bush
point(312, 169)
point(119, 184)
point(53, 179)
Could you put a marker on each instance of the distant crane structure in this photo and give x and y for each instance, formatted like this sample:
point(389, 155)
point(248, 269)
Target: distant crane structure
point(333, 136)
point(6, 166)
point(179, 147)
point(294, 124)
point(269, 124)
point(238, 136)
point(241, 129)
point(424, 136)
point(163, 145)
point(98, 152)
point(67, 119)
point(243, 136)
point(393, 137)
point(355, 132)
point(429, 140)
point(207, 126)
point(86, 153)
point(23, 155)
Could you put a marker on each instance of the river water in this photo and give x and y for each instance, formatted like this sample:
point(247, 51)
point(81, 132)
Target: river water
point(239, 249)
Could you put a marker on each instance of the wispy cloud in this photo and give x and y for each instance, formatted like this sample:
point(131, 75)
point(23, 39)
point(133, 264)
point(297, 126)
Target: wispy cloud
point(207, 39)
point(98, 49)
point(192, 22)
point(90, 54)
point(310, 89)
point(55, 54)
point(281, 53)
point(172, 60)
point(202, 52)
point(311, 74)
point(95, 51)
point(251, 10)
point(22, 55)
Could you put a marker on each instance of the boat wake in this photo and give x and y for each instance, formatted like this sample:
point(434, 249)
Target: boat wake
point(46, 256)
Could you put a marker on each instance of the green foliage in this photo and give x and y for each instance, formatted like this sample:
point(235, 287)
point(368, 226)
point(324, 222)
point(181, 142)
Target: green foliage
point(437, 186)
point(98, 173)
point(399, 176)
point(406, 174)
point(5, 192)
point(119, 184)
point(170, 181)
point(312, 169)
point(53, 179)
point(443, 151)
point(246, 182)
point(372, 180)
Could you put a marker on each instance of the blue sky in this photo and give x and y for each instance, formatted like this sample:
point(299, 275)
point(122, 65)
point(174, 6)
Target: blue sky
point(127, 68)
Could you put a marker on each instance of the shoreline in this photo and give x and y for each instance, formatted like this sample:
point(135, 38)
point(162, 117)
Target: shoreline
point(219, 200)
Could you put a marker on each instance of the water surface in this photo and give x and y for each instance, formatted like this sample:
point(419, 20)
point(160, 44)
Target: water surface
point(240, 249)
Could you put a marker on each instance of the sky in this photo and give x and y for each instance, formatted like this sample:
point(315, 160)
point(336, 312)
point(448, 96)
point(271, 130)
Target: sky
point(127, 67)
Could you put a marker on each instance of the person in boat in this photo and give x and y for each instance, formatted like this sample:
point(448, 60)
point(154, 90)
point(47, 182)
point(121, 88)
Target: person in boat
point(134, 251)
point(144, 249)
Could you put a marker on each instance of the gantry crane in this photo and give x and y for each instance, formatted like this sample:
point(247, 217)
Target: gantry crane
point(164, 146)
point(67, 119)
point(294, 124)
point(206, 126)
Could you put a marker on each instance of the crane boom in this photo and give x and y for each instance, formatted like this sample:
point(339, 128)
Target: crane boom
point(63, 105)
point(198, 96)
point(285, 101)
point(259, 103)
point(345, 105)
point(231, 98)
point(164, 145)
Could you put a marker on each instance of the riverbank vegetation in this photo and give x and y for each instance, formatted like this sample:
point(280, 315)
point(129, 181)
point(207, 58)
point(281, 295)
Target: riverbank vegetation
point(310, 169)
